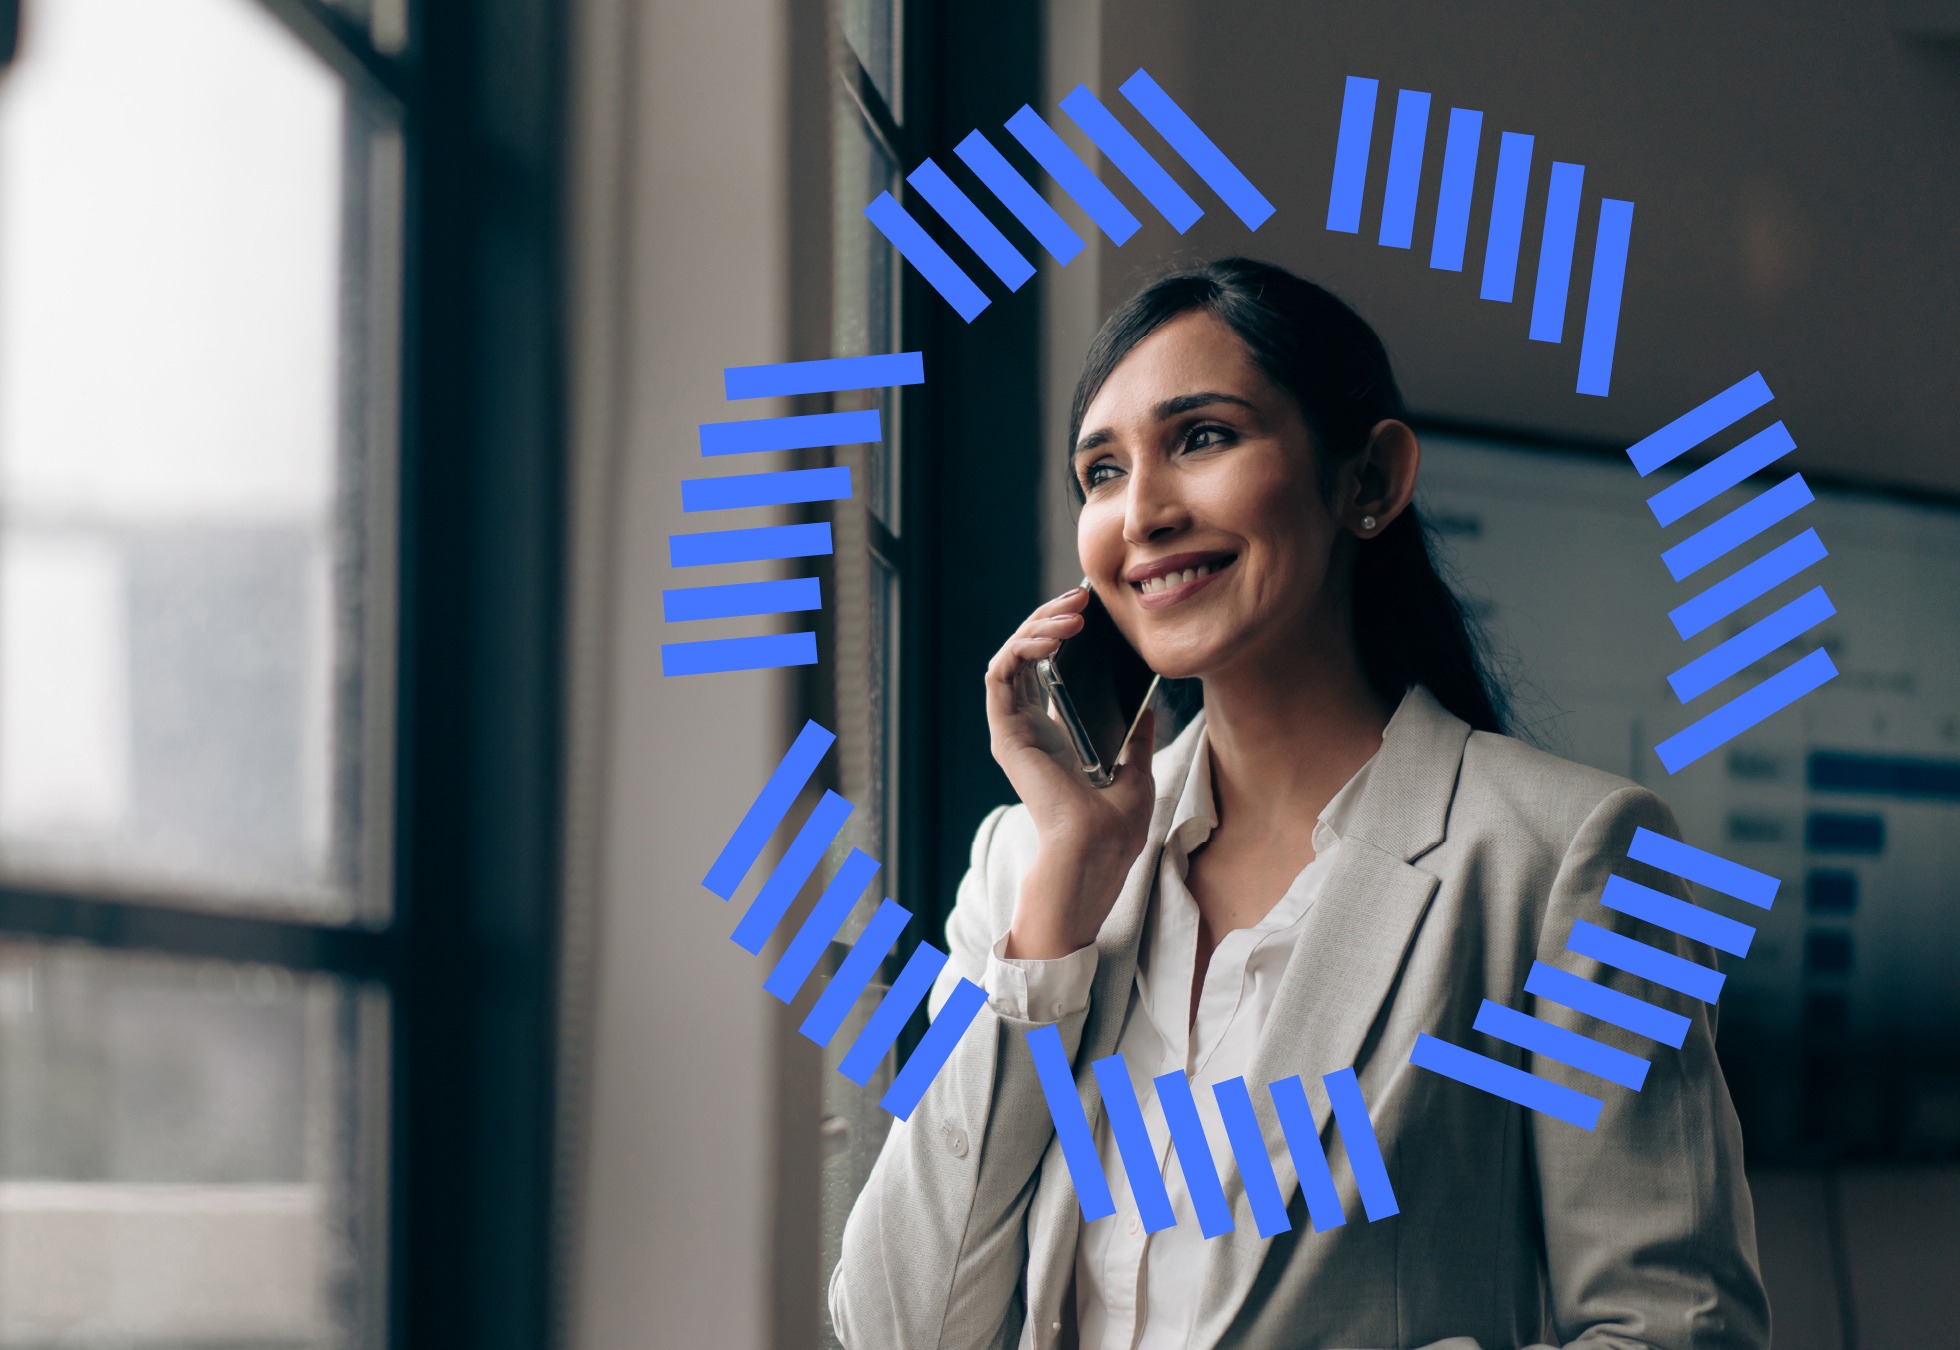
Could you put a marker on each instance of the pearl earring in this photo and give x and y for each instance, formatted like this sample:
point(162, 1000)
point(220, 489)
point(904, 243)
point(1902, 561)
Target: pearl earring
point(1367, 523)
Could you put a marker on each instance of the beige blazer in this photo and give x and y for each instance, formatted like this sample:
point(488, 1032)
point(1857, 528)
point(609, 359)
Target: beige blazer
point(1469, 855)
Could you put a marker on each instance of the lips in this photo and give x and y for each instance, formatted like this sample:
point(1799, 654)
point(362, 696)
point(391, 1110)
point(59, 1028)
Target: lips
point(1172, 588)
point(1176, 565)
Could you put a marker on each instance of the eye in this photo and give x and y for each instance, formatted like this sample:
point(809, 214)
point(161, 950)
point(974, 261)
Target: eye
point(1097, 474)
point(1206, 435)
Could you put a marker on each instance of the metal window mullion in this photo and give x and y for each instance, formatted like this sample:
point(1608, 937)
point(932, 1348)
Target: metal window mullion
point(339, 42)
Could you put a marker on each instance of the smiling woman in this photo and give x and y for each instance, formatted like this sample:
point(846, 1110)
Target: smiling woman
point(1341, 851)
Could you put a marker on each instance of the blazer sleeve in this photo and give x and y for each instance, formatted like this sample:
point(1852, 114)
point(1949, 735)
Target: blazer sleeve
point(1650, 1238)
point(935, 1249)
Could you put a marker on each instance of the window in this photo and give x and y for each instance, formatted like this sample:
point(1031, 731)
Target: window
point(279, 779)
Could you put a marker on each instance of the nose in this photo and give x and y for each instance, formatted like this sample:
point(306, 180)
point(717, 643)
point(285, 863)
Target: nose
point(1154, 509)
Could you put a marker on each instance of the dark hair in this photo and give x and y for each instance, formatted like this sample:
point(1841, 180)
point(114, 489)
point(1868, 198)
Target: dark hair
point(1409, 625)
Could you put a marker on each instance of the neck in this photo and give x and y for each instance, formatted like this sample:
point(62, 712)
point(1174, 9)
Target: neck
point(1287, 730)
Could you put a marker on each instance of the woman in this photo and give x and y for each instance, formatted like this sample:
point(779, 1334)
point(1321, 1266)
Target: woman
point(1340, 851)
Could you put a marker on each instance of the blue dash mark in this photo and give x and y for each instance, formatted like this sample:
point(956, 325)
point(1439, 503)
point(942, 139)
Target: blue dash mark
point(1555, 1042)
point(759, 543)
point(1193, 1153)
point(806, 432)
point(1746, 710)
point(1221, 175)
point(1071, 1124)
point(740, 599)
point(1309, 1159)
point(829, 376)
point(1738, 527)
point(1677, 916)
point(1363, 1149)
point(1720, 474)
point(782, 488)
point(1747, 583)
point(1609, 273)
point(814, 937)
point(1696, 425)
point(799, 861)
point(923, 252)
point(981, 235)
point(720, 656)
point(1459, 176)
point(1752, 644)
point(1703, 868)
point(1505, 1081)
point(1555, 252)
point(1404, 168)
point(1648, 962)
point(856, 972)
point(1018, 195)
point(1607, 1005)
point(1052, 153)
point(1506, 216)
point(1133, 1143)
point(908, 991)
point(1351, 154)
point(1137, 164)
point(1255, 1162)
point(786, 781)
point(934, 1049)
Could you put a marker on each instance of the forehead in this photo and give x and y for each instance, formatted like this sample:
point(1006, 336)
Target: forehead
point(1194, 351)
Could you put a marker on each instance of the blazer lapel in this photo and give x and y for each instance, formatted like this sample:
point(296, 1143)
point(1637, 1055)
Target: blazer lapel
point(1350, 949)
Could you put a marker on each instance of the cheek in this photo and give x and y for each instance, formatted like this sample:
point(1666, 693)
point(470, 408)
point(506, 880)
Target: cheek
point(1099, 541)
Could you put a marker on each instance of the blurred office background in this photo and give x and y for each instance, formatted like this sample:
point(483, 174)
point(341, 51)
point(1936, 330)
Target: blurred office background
point(357, 982)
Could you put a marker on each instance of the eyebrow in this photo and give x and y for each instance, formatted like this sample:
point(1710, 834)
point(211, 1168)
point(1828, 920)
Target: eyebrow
point(1164, 411)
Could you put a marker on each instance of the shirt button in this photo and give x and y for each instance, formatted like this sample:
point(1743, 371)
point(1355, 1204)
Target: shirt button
point(1055, 1009)
point(956, 1141)
point(1135, 1225)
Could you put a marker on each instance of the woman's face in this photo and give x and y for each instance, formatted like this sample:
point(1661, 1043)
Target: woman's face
point(1204, 530)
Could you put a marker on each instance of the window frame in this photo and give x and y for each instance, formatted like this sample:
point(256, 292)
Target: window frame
point(468, 952)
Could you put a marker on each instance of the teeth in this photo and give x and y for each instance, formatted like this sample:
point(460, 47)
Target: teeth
point(1173, 579)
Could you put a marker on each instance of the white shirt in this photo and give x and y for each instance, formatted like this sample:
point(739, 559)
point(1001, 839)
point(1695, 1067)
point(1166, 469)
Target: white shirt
point(1137, 1290)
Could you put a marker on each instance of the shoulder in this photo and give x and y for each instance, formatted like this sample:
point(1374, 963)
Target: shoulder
point(1535, 799)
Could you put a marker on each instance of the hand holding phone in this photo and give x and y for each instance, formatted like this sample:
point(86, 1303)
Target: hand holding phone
point(1089, 835)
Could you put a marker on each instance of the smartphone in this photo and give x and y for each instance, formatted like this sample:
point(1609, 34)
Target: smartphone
point(1098, 687)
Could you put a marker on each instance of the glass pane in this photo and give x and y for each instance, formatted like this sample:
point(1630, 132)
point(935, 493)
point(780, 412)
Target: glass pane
point(197, 290)
point(872, 29)
point(190, 1153)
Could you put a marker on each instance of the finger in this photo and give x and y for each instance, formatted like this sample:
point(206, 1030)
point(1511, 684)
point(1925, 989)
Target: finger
point(1070, 601)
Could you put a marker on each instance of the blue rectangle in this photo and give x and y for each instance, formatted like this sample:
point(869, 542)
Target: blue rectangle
point(825, 921)
point(808, 432)
point(722, 656)
point(799, 860)
point(1747, 583)
point(782, 488)
point(1696, 425)
point(760, 543)
point(1609, 272)
point(1404, 168)
point(1137, 164)
point(1720, 474)
point(1887, 775)
point(1738, 527)
point(740, 599)
point(786, 781)
point(981, 235)
point(1504, 1081)
point(1837, 832)
point(1255, 1164)
point(1018, 195)
point(934, 1049)
point(1506, 216)
point(1677, 916)
point(830, 376)
point(1752, 644)
point(1071, 1124)
point(1193, 1154)
point(931, 261)
point(1608, 1005)
point(1555, 1042)
point(1648, 962)
point(1209, 162)
point(1364, 1151)
point(1459, 177)
point(1052, 153)
point(1555, 252)
point(1133, 1144)
point(1351, 155)
point(1309, 1159)
point(895, 1009)
point(1745, 710)
point(856, 972)
point(1703, 868)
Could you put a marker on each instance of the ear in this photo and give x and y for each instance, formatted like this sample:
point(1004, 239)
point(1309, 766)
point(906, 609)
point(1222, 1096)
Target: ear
point(1383, 478)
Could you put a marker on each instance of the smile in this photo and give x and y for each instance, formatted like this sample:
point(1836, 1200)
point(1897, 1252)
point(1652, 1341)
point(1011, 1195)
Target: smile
point(1174, 587)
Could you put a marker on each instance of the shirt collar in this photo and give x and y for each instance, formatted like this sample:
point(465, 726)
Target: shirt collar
point(1196, 815)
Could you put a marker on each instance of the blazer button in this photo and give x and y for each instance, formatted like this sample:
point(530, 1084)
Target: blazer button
point(956, 1141)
